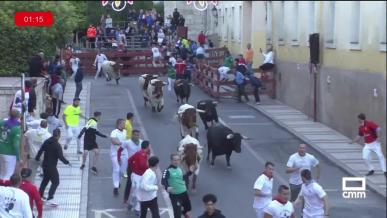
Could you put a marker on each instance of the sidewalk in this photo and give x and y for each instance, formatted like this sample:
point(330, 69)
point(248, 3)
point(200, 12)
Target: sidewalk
point(71, 194)
point(325, 140)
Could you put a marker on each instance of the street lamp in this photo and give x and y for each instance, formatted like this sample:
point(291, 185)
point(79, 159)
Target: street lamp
point(215, 14)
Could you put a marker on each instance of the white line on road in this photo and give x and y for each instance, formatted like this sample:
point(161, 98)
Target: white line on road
point(251, 124)
point(241, 116)
point(144, 133)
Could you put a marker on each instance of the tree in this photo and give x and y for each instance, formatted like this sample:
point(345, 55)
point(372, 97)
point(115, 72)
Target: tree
point(18, 44)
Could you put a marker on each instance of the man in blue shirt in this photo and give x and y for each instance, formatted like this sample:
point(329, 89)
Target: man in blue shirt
point(241, 83)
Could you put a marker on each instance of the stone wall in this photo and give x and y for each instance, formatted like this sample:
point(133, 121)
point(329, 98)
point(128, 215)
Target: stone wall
point(10, 85)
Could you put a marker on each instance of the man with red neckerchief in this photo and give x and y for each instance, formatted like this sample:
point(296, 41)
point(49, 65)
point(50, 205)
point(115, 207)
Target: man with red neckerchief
point(369, 131)
point(263, 187)
point(280, 207)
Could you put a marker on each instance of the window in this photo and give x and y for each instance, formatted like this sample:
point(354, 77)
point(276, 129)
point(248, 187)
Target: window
point(232, 21)
point(269, 22)
point(330, 24)
point(294, 28)
point(220, 32)
point(240, 24)
point(311, 21)
point(383, 28)
point(225, 23)
point(281, 34)
point(355, 25)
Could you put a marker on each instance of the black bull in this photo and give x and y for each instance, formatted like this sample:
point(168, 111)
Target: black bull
point(210, 114)
point(222, 140)
point(182, 90)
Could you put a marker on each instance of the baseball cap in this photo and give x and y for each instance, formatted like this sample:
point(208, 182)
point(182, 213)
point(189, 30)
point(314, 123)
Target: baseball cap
point(25, 173)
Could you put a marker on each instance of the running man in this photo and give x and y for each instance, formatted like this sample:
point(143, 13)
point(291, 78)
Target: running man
point(89, 141)
point(209, 201)
point(124, 153)
point(369, 131)
point(10, 132)
point(52, 153)
point(263, 187)
point(71, 119)
point(138, 162)
point(117, 137)
point(174, 184)
point(280, 207)
point(313, 197)
point(147, 194)
point(297, 162)
point(99, 59)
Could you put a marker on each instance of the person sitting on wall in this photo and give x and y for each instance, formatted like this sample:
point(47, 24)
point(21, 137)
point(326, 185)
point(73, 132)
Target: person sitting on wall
point(268, 62)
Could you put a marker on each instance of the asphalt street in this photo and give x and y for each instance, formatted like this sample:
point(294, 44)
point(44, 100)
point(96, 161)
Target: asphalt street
point(234, 188)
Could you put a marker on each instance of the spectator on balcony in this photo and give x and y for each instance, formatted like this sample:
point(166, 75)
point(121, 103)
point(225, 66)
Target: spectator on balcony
point(103, 24)
point(181, 21)
point(201, 38)
point(149, 20)
point(249, 55)
point(175, 19)
point(108, 24)
point(91, 34)
point(160, 36)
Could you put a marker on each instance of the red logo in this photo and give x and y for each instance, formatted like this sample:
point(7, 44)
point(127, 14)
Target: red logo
point(34, 18)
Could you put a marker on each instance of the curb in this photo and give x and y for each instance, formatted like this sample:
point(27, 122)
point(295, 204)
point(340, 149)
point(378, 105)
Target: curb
point(375, 188)
point(85, 173)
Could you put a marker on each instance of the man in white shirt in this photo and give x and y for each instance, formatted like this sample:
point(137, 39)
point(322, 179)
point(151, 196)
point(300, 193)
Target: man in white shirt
point(35, 139)
point(74, 63)
point(108, 24)
point(14, 202)
point(268, 62)
point(296, 163)
point(99, 59)
point(117, 137)
point(147, 193)
point(313, 197)
point(280, 207)
point(156, 55)
point(132, 146)
point(263, 187)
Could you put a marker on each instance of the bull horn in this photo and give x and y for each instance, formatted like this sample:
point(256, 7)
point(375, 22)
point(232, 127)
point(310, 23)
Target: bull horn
point(202, 103)
point(230, 136)
point(245, 137)
point(121, 65)
point(215, 102)
point(164, 83)
point(180, 84)
point(200, 111)
point(190, 84)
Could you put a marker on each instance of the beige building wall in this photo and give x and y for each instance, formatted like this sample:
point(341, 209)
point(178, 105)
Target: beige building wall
point(352, 74)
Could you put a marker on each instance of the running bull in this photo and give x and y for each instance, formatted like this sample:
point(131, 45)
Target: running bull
point(152, 91)
point(187, 119)
point(182, 90)
point(221, 140)
point(112, 70)
point(210, 114)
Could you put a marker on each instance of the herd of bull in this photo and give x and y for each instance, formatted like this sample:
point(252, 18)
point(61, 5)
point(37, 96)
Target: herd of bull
point(221, 140)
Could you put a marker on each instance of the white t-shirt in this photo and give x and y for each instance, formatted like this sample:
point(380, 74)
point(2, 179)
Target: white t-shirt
point(268, 58)
point(173, 61)
point(156, 52)
point(18, 97)
point(109, 22)
point(148, 186)
point(100, 58)
point(313, 194)
point(121, 136)
point(278, 210)
point(265, 185)
point(131, 147)
point(308, 161)
point(200, 50)
point(14, 203)
point(35, 139)
point(74, 63)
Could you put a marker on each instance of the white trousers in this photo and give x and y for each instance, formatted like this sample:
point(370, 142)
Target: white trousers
point(136, 179)
point(171, 83)
point(99, 67)
point(116, 171)
point(73, 132)
point(223, 72)
point(124, 162)
point(374, 147)
point(7, 166)
point(259, 212)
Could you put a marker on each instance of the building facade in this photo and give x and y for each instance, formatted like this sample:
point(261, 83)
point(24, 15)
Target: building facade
point(352, 72)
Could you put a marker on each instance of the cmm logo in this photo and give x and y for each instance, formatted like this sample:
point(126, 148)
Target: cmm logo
point(354, 192)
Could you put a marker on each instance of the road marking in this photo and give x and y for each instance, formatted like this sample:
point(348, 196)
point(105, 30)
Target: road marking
point(106, 212)
point(260, 159)
point(241, 116)
point(144, 133)
point(251, 124)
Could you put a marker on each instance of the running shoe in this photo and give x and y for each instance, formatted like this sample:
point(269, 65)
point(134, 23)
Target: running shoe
point(79, 152)
point(65, 147)
point(94, 170)
point(82, 166)
point(115, 192)
point(51, 203)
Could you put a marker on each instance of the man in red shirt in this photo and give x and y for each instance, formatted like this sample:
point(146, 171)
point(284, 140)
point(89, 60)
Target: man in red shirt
point(180, 68)
point(91, 34)
point(30, 189)
point(202, 38)
point(369, 131)
point(138, 163)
